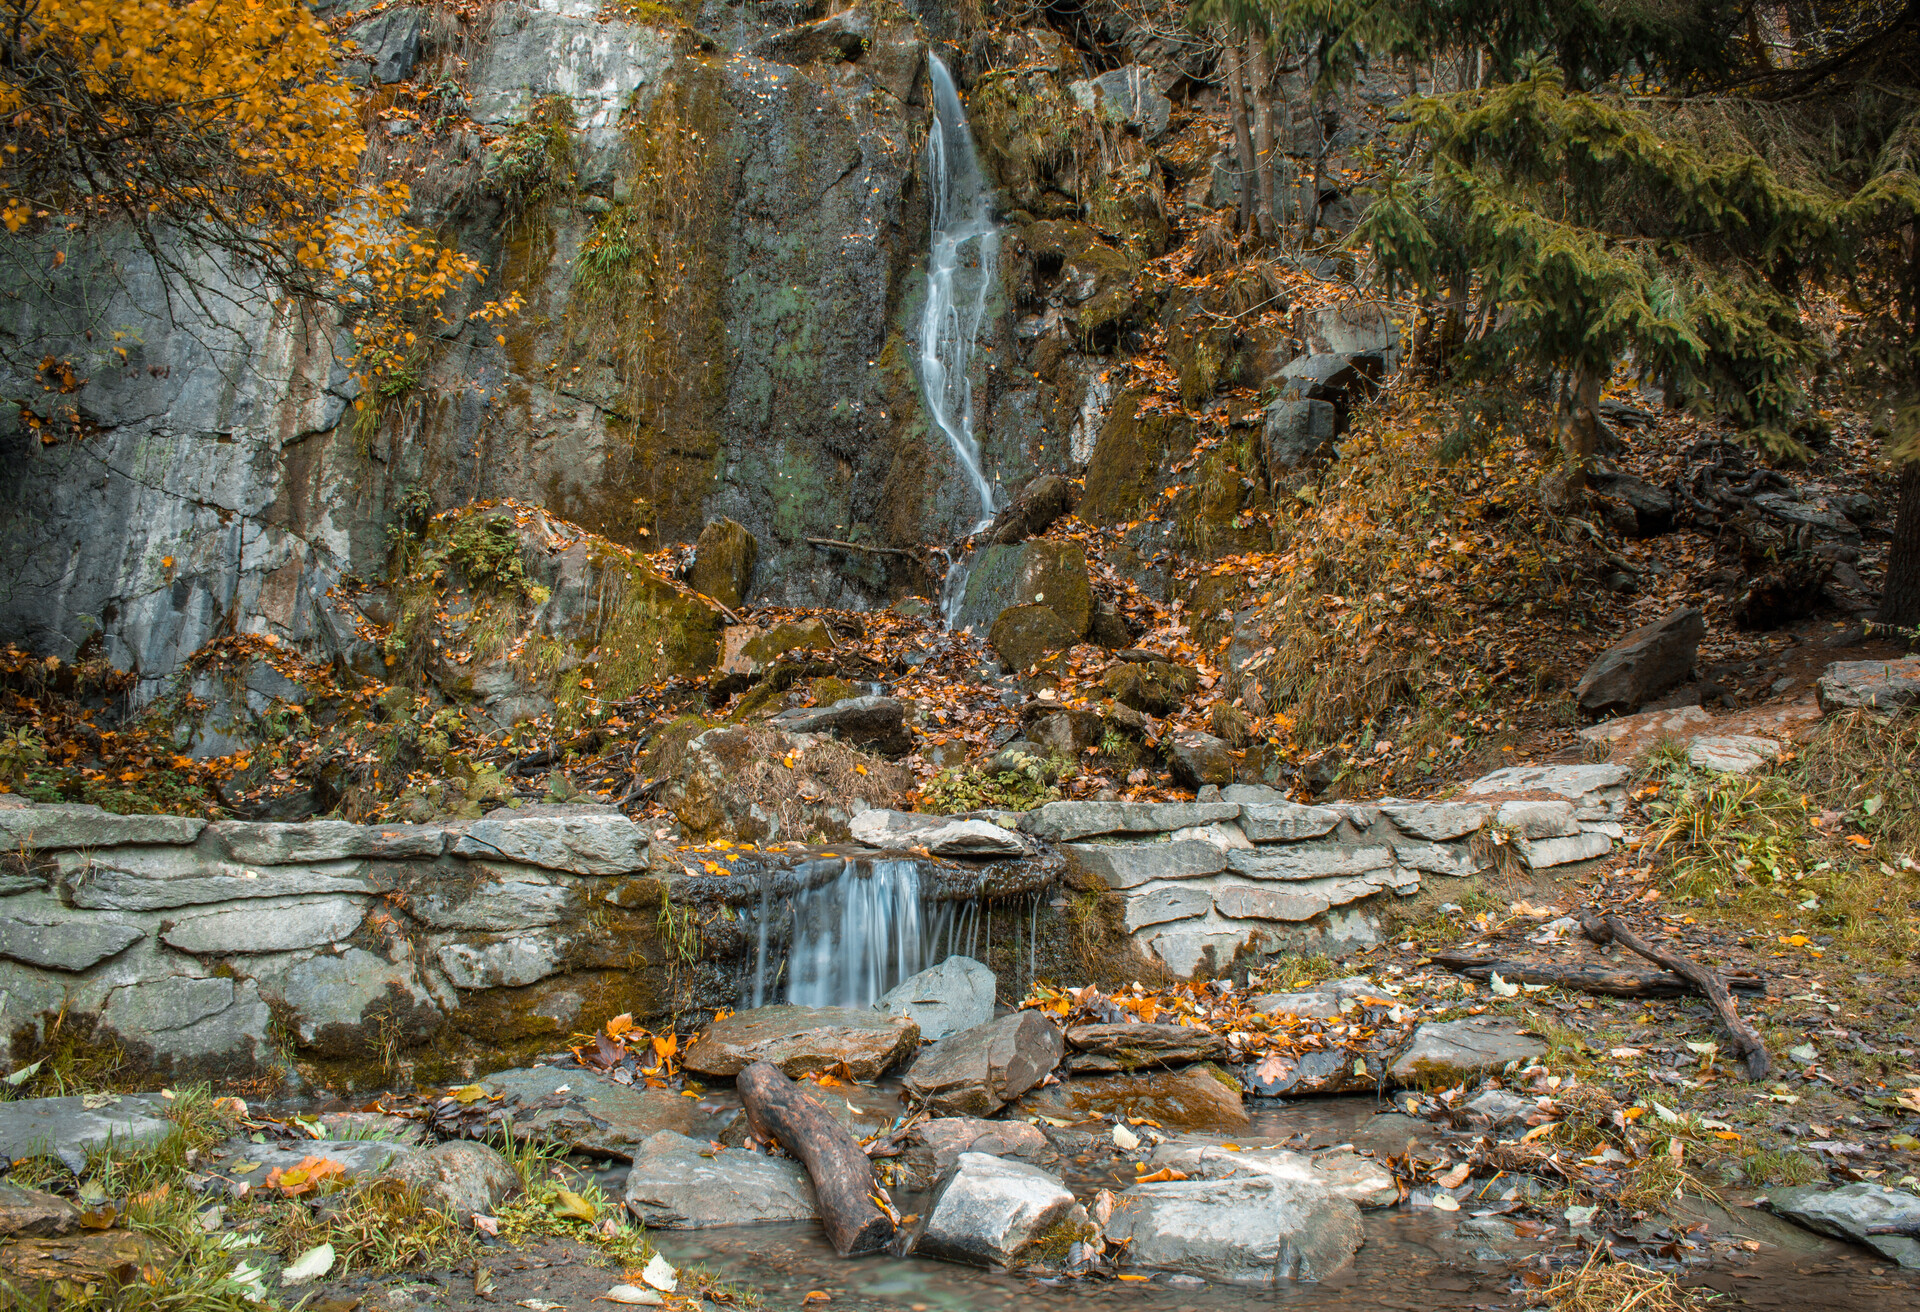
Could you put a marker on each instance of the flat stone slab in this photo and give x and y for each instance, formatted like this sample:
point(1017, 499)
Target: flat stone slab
point(804, 1039)
point(590, 844)
point(269, 844)
point(1439, 822)
point(1106, 1049)
point(68, 1128)
point(1312, 1003)
point(679, 1184)
point(946, 1137)
point(1444, 1052)
point(1849, 1211)
point(971, 838)
point(154, 878)
point(1545, 853)
point(1128, 865)
point(1576, 783)
point(1160, 903)
point(1255, 1230)
point(1310, 861)
point(554, 1104)
point(1316, 1071)
point(955, 995)
point(1061, 822)
point(1199, 1099)
point(78, 825)
point(60, 941)
point(282, 928)
point(1732, 753)
point(1286, 822)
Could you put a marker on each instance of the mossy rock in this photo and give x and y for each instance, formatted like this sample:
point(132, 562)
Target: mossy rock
point(723, 562)
point(1053, 574)
point(765, 648)
point(1155, 687)
point(1128, 460)
point(1024, 635)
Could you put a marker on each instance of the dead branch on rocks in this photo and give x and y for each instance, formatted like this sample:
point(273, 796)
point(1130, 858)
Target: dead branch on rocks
point(1587, 979)
point(778, 1111)
point(1747, 1043)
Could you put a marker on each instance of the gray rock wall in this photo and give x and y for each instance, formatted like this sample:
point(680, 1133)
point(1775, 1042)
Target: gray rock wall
point(233, 948)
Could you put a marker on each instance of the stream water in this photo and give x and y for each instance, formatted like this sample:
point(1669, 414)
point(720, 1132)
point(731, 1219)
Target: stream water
point(962, 257)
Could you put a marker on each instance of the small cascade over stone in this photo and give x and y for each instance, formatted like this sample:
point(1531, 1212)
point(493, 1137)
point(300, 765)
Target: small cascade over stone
point(962, 258)
point(841, 931)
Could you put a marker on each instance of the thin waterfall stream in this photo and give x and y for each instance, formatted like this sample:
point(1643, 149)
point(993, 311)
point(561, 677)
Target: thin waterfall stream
point(962, 259)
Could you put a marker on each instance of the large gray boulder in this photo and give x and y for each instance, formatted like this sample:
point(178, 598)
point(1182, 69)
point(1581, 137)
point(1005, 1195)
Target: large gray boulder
point(978, 1071)
point(800, 1040)
point(460, 1178)
point(1129, 95)
point(987, 1211)
point(1873, 685)
point(1297, 432)
point(679, 1184)
point(1127, 865)
point(955, 995)
point(1854, 1211)
point(1642, 665)
point(1360, 1180)
point(1257, 1230)
point(1199, 758)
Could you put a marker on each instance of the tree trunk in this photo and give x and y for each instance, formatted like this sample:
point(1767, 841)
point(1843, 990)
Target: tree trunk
point(1310, 198)
point(1900, 595)
point(1230, 58)
point(1260, 94)
point(842, 1176)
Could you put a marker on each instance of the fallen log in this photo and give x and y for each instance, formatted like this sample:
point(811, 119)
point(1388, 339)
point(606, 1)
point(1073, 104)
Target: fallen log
point(1609, 981)
point(1747, 1043)
point(778, 1111)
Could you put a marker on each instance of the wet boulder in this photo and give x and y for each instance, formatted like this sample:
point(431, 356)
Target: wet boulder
point(723, 562)
point(1642, 665)
point(978, 1071)
point(1243, 1231)
point(1034, 511)
point(1885, 1220)
point(1360, 1180)
point(944, 1138)
point(800, 1040)
point(592, 1114)
point(953, 996)
point(988, 1211)
point(1452, 1050)
point(1050, 572)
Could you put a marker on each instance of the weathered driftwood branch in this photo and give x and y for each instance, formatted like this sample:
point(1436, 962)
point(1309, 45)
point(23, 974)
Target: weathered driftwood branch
point(1747, 1043)
point(838, 545)
point(777, 1110)
point(1588, 979)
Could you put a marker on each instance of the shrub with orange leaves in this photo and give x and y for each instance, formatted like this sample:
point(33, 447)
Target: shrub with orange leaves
point(208, 127)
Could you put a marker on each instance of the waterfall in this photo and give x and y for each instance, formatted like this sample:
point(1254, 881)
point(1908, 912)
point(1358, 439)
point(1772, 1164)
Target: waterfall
point(854, 937)
point(961, 261)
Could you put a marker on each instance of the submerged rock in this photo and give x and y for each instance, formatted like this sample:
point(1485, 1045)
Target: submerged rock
point(1360, 1180)
point(1243, 1231)
point(1200, 1098)
point(1854, 1211)
point(679, 1184)
point(978, 1071)
point(1317, 1071)
point(955, 995)
point(800, 1040)
point(987, 1211)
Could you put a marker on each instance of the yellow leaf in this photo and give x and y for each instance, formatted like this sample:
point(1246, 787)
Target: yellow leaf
point(469, 1093)
point(568, 1203)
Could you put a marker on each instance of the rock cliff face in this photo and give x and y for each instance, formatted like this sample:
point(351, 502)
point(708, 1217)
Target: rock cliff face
point(718, 231)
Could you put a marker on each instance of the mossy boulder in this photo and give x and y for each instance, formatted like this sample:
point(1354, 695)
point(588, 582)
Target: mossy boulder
point(1092, 282)
point(723, 562)
point(1049, 572)
point(1155, 687)
point(1128, 461)
point(1023, 635)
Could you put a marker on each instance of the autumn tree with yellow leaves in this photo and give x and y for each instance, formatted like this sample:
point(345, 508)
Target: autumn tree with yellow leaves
point(213, 128)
